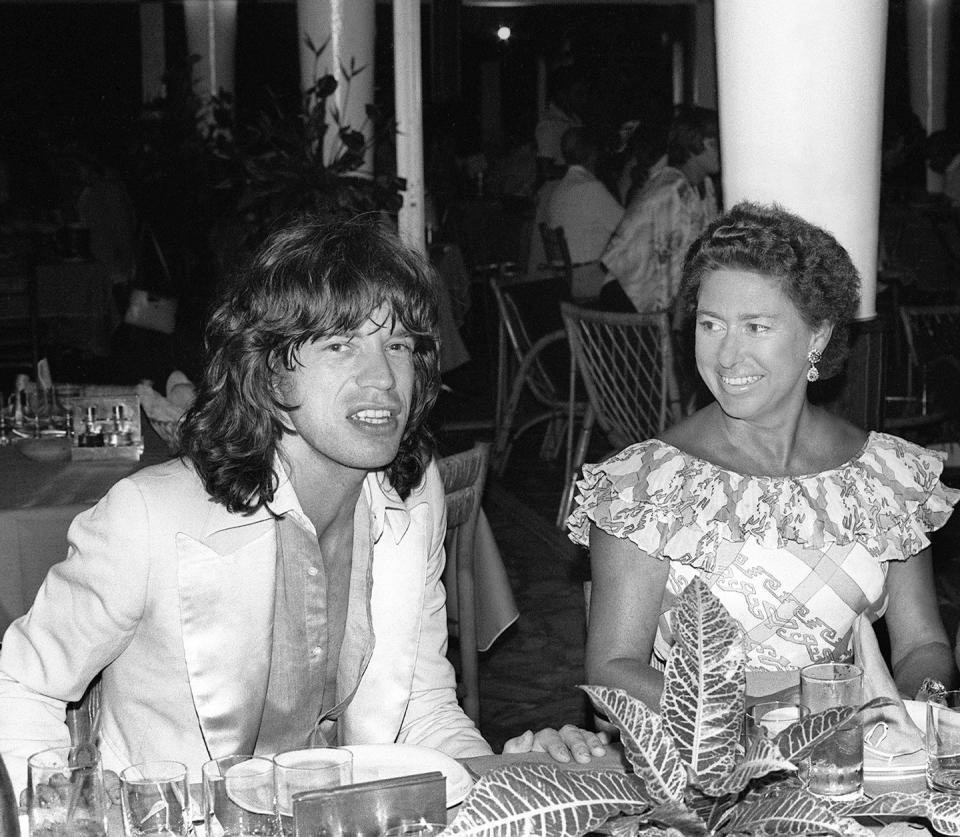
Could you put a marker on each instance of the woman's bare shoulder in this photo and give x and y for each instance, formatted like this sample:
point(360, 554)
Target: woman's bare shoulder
point(694, 434)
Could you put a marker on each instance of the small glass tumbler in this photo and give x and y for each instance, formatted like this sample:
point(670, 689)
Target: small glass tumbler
point(65, 793)
point(834, 769)
point(295, 771)
point(238, 794)
point(155, 800)
point(943, 742)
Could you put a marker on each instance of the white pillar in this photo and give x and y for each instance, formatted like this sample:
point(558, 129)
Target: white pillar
point(348, 27)
point(928, 47)
point(801, 111)
point(153, 58)
point(212, 34)
point(678, 71)
point(704, 56)
point(407, 75)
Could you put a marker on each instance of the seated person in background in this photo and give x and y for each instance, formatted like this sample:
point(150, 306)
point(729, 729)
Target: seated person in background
point(797, 520)
point(278, 586)
point(645, 256)
point(568, 99)
point(586, 210)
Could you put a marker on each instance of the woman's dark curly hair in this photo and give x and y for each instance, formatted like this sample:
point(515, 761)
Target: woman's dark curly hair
point(816, 272)
point(309, 280)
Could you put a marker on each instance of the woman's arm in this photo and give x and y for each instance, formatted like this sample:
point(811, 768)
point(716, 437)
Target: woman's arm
point(625, 601)
point(919, 646)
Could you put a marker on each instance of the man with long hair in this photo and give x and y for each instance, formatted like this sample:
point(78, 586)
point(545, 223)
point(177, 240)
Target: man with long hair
point(279, 585)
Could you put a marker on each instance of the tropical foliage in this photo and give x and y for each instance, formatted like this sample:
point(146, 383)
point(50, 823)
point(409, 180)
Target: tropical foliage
point(690, 771)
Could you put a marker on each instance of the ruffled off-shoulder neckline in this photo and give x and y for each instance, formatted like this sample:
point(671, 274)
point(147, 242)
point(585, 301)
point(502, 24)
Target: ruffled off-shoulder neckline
point(681, 507)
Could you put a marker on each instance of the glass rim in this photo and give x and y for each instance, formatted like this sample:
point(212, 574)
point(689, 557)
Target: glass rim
point(851, 671)
point(163, 770)
point(287, 759)
point(227, 762)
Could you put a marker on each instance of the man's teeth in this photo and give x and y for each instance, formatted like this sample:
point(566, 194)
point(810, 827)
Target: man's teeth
point(376, 416)
point(739, 382)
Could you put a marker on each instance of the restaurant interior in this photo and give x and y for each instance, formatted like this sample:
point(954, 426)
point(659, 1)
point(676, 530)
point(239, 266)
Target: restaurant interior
point(80, 329)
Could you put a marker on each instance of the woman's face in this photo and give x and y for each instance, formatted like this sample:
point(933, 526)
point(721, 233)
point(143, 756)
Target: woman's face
point(752, 346)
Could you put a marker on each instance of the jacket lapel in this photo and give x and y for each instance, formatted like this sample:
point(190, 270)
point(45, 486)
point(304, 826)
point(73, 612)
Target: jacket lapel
point(227, 584)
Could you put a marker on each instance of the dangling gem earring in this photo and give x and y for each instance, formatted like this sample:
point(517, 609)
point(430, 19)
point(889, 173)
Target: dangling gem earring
point(813, 358)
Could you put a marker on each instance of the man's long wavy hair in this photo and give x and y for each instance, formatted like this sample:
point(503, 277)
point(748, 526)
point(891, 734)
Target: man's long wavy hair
point(308, 281)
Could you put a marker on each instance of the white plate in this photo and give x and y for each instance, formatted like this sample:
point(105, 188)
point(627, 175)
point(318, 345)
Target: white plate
point(908, 764)
point(385, 761)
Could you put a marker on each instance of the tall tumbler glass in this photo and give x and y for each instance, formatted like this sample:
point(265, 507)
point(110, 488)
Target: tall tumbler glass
point(65, 793)
point(155, 800)
point(296, 771)
point(834, 769)
point(238, 797)
point(943, 742)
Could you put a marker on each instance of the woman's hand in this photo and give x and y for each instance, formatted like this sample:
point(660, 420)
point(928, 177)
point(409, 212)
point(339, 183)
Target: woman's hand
point(569, 742)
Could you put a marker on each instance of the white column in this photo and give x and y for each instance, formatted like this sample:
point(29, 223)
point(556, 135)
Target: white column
point(928, 47)
point(212, 34)
point(153, 58)
point(801, 110)
point(407, 75)
point(348, 27)
point(704, 56)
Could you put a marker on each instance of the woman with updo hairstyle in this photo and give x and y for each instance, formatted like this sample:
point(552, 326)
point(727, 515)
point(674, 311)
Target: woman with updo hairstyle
point(798, 521)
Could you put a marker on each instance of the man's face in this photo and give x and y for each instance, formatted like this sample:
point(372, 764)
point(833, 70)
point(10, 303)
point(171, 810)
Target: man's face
point(710, 156)
point(351, 397)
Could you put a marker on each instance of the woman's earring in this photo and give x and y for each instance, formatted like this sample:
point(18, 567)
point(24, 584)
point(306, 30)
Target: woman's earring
point(813, 358)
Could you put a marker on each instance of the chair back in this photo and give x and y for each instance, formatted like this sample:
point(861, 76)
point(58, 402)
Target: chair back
point(557, 252)
point(626, 363)
point(519, 341)
point(464, 476)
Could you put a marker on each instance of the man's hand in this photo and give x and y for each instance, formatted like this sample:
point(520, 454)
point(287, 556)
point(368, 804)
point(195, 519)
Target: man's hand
point(570, 742)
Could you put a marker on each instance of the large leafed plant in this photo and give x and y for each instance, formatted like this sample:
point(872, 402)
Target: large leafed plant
point(689, 773)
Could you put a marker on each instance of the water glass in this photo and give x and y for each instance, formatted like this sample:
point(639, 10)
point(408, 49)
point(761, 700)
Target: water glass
point(238, 797)
point(943, 742)
point(65, 793)
point(835, 768)
point(296, 771)
point(155, 800)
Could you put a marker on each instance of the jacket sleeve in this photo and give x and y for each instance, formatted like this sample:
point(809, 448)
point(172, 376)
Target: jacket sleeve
point(433, 717)
point(84, 613)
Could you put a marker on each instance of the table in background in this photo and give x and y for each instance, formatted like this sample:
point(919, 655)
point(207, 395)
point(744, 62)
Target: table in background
point(75, 300)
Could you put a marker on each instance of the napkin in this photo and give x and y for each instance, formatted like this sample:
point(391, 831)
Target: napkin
point(889, 732)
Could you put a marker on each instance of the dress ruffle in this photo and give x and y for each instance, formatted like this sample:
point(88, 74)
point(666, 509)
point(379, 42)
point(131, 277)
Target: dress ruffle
point(676, 506)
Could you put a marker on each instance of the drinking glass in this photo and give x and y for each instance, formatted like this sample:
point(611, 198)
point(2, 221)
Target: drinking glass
point(834, 768)
point(238, 797)
point(943, 742)
point(65, 793)
point(303, 770)
point(155, 800)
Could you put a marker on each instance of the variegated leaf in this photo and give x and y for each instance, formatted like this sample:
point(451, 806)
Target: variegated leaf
point(647, 746)
point(800, 738)
point(705, 685)
point(762, 758)
point(942, 810)
point(532, 799)
point(795, 812)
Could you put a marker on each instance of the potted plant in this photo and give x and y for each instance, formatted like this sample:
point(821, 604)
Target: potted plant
point(287, 168)
point(691, 774)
